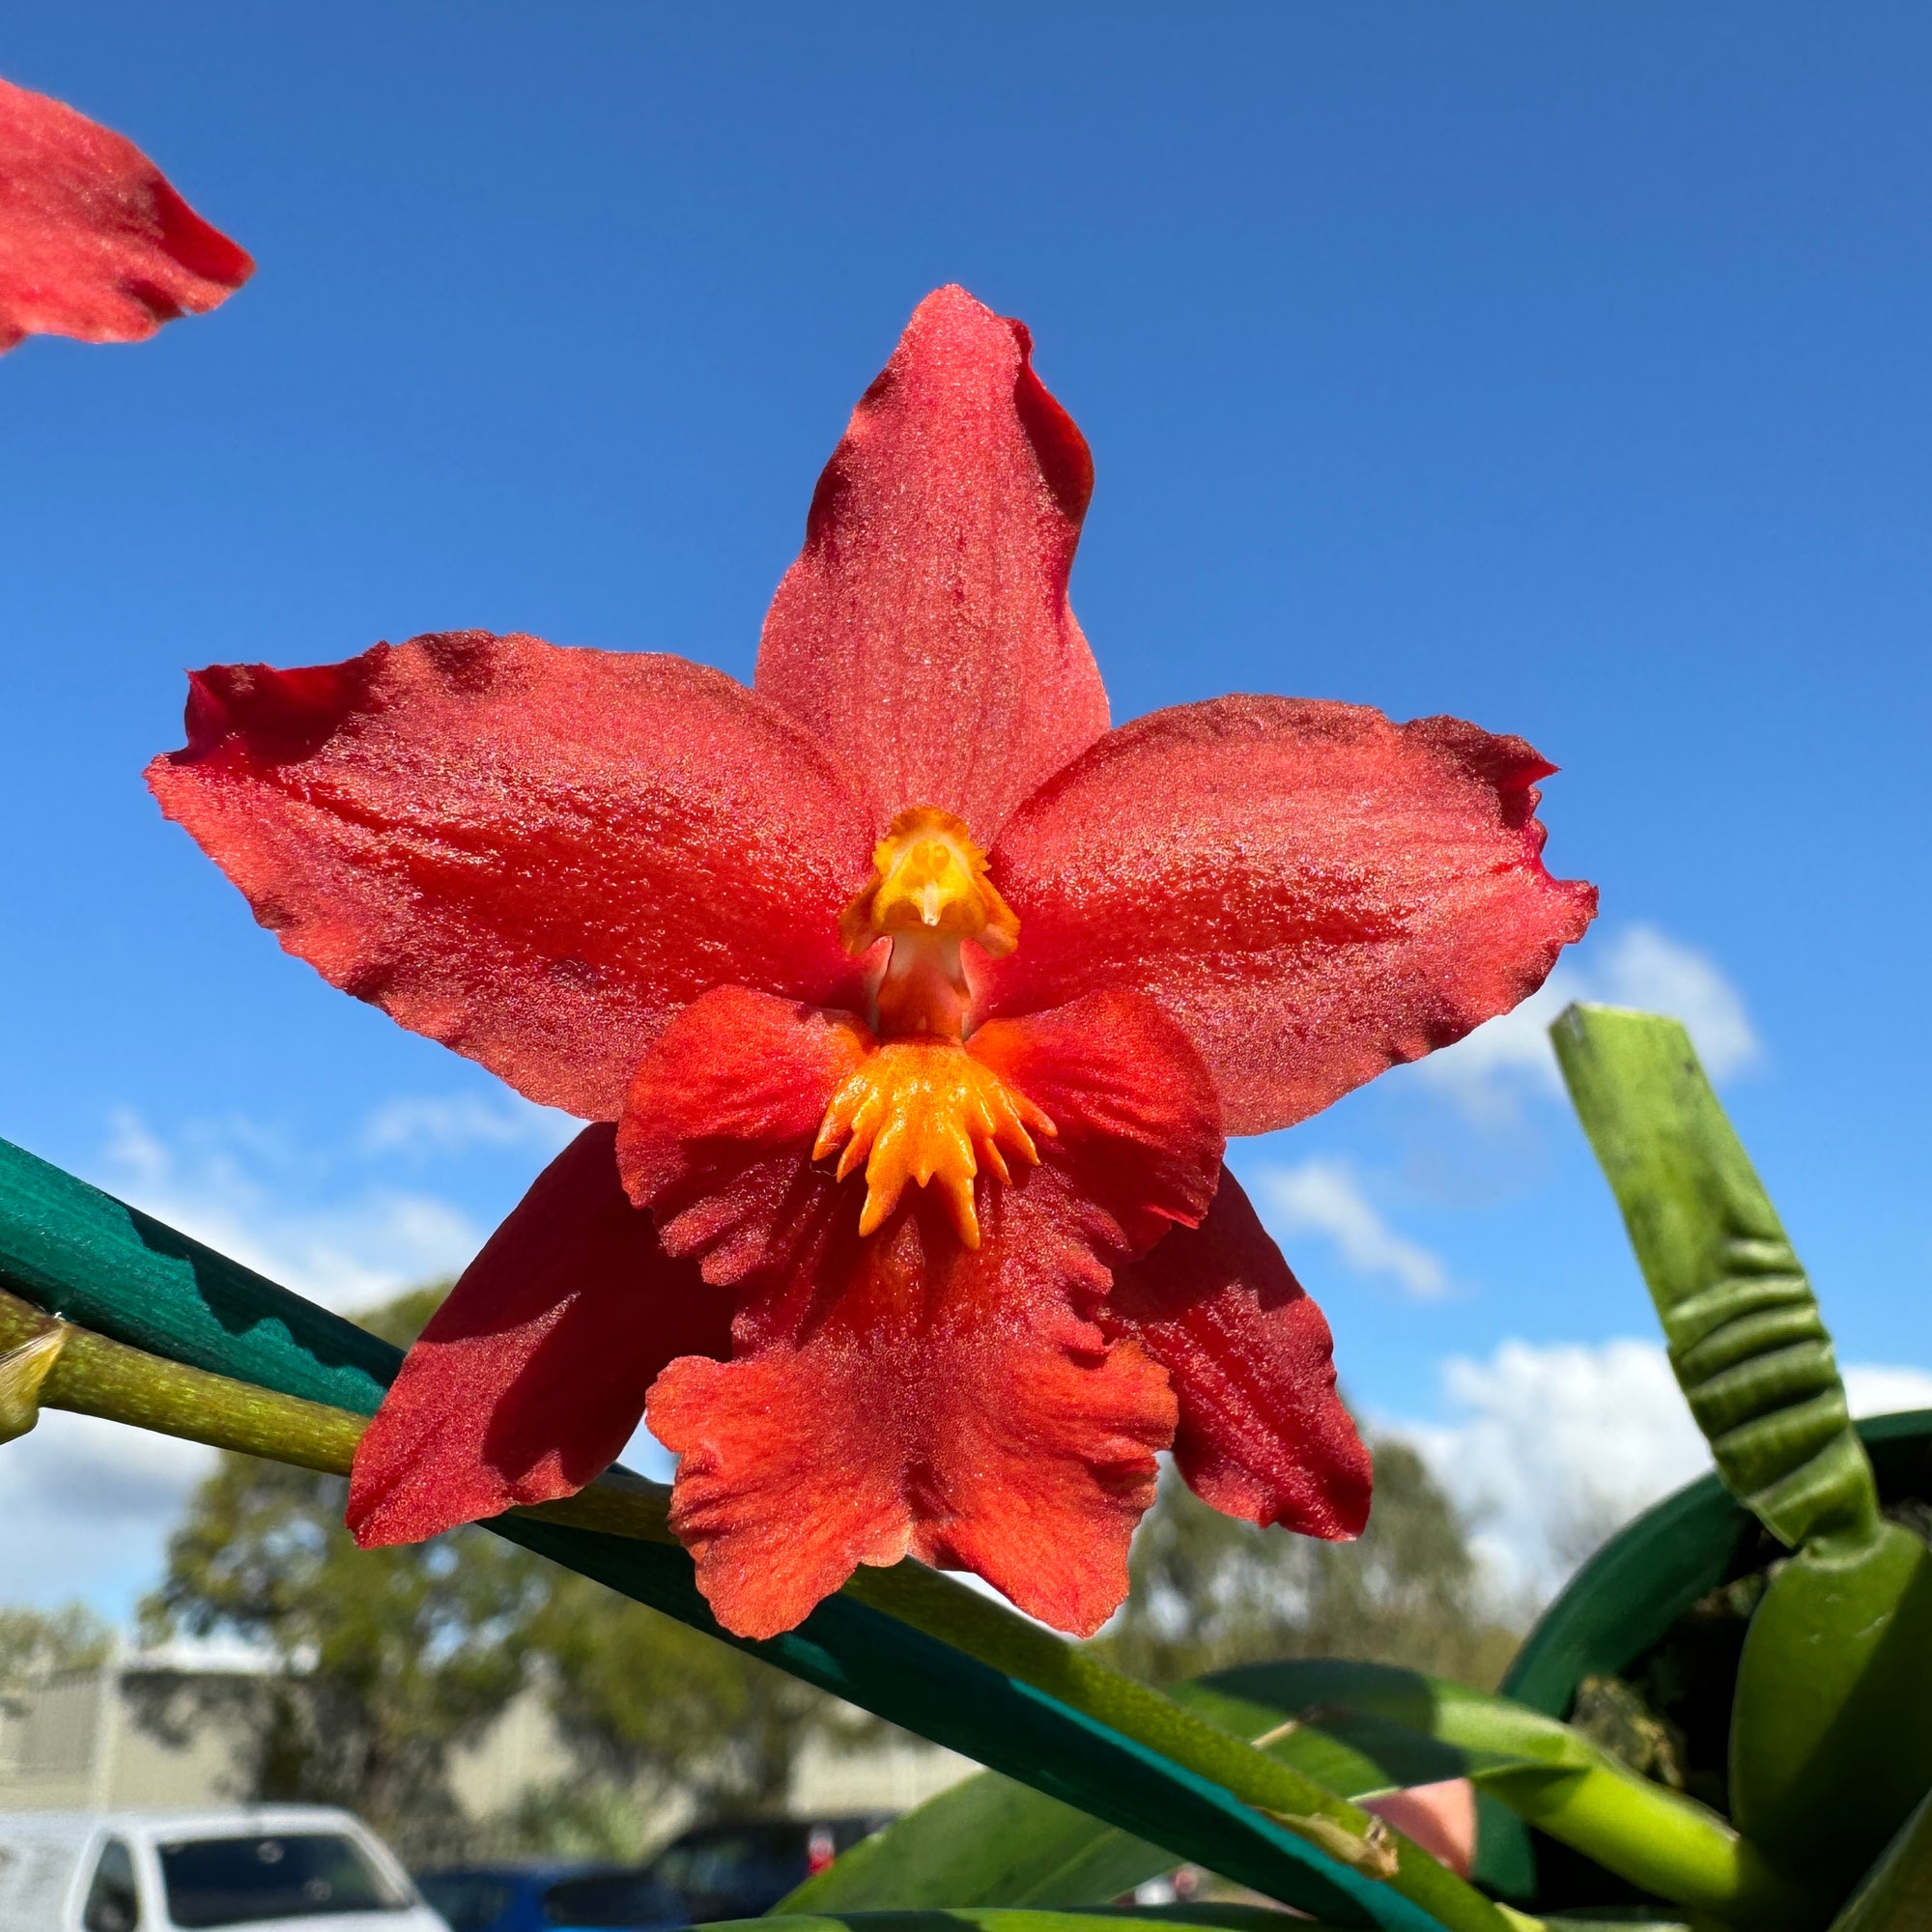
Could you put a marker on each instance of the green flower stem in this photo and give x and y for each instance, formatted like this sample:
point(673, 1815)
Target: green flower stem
point(96, 1376)
point(1022, 1649)
point(1665, 1844)
point(79, 1370)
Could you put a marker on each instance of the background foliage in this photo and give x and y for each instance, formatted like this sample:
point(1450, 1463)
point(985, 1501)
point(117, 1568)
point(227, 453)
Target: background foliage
point(386, 1662)
point(1210, 1592)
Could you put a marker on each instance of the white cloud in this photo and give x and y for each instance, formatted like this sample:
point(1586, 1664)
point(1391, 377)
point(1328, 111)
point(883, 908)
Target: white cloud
point(240, 1188)
point(1551, 1448)
point(88, 1506)
point(1322, 1197)
point(1879, 1388)
point(420, 1125)
point(1633, 966)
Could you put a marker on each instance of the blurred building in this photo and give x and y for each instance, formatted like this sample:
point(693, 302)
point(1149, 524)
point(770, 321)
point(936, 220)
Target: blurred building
point(86, 1740)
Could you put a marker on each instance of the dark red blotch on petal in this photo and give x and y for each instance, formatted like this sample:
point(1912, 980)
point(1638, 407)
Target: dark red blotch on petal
point(925, 631)
point(1263, 1434)
point(1312, 891)
point(535, 855)
point(93, 241)
point(532, 1378)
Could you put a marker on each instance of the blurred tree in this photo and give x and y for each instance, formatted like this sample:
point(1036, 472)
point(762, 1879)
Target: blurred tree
point(1210, 1592)
point(384, 1663)
point(37, 1644)
point(644, 1699)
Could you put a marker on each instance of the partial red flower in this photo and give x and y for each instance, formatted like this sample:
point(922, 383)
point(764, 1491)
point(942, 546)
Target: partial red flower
point(920, 1000)
point(93, 241)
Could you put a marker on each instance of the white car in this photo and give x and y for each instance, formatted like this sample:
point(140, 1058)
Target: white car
point(267, 1868)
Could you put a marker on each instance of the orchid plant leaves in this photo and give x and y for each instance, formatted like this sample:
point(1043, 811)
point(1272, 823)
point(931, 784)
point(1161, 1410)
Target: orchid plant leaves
point(991, 1842)
point(1897, 1894)
point(1364, 1729)
point(1831, 1727)
point(1232, 1917)
point(1011, 1919)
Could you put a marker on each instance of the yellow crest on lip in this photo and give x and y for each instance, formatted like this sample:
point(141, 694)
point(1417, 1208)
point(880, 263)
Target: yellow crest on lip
point(925, 1111)
point(929, 879)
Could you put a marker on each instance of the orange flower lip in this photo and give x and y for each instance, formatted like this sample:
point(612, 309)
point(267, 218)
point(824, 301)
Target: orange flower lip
point(925, 1109)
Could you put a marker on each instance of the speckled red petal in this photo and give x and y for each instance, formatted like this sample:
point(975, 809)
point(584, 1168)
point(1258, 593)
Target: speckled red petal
point(717, 1134)
point(1262, 1434)
point(925, 631)
point(532, 1378)
point(535, 855)
point(1312, 891)
point(903, 1395)
point(93, 241)
point(1137, 1114)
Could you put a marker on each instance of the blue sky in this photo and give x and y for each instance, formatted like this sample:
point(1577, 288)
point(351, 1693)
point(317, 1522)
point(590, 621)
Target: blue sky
point(1561, 368)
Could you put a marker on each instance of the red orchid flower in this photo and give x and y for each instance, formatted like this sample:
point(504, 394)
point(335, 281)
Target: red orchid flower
point(94, 242)
point(908, 906)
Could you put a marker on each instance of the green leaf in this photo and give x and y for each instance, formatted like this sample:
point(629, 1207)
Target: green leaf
point(1897, 1894)
point(1361, 1729)
point(1832, 1723)
point(1747, 1340)
point(1630, 1593)
point(998, 1918)
point(73, 1250)
point(1230, 1917)
point(987, 1841)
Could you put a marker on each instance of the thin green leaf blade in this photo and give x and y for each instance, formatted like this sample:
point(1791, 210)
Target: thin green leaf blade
point(1365, 1728)
point(1001, 1919)
point(990, 1843)
point(1897, 1894)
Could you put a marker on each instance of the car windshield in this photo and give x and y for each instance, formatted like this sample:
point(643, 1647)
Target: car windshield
point(470, 1901)
point(735, 1871)
point(286, 1875)
point(619, 1899)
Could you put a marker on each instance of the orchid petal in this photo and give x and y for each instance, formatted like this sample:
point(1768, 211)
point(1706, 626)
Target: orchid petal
point(717, 1134)
point(93, 241)
point(1262, 1434)
point(717, 1131)
point(1314, 893)
point(535, 855)
point(531, 1376)
point(923, 632)
point(902, 1394)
